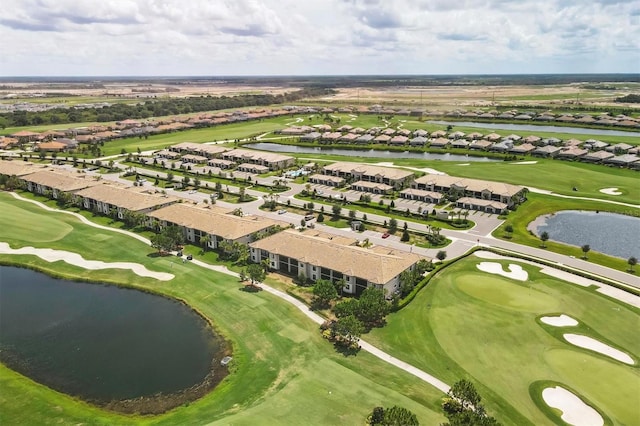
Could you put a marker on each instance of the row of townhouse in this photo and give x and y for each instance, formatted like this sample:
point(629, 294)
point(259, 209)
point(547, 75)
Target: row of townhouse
point(225, 158)
point(429, 188)
point(312, 254)
point(319, 255)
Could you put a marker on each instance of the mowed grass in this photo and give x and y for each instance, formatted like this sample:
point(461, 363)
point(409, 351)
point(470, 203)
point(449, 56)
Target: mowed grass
point(283, 371)
point(484, 327)
point(22, 225)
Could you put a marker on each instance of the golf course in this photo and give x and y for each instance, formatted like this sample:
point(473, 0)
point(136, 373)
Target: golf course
point(486, 326)
point(281, 369)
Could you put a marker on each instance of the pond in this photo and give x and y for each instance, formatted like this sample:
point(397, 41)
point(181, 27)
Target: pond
point(368, 153)
point(115, 347)
point(535, 128)
point(613, 234)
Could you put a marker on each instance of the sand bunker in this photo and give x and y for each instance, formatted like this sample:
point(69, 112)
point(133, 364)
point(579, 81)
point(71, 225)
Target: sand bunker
point(463, 164)
point(598, 346)
point(516, 271)
point(560, 321)
point(525, 162)
point(423, 169)
point(574, 410)
point(75, 259)
point(611, 191)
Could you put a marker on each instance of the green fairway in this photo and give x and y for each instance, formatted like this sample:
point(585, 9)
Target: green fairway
point(30, 226)
point(468, 323)
point(282, 372)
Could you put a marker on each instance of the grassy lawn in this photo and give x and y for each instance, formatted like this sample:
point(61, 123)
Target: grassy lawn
point(468, 323)
point(538, 205)
point(283, 372)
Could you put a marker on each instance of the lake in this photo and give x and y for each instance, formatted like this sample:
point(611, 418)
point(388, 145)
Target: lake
point(368, 153)
point(613, 234)
point(104, 343)
point(535, 128)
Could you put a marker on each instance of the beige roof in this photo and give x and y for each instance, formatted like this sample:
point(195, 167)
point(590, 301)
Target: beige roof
point(378, 265)
point(214, 220)
point(326, 178)
point(371, 185)
point(422, 193)
point(475, 185)
point(199, 147)
point(17, 168)
point(482, 203)
point(61, 180)
point(246, 154)
point(368, 169)
point(126, 198)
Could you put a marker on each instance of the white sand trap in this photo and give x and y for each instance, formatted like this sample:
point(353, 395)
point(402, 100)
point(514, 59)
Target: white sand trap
point(598, 346)
point(75, 259)
point(423, 169)
point(611, 191)
point(463, 164)
point(560, 321)
point(574, 410)
point(525, 162)
point(516, 271)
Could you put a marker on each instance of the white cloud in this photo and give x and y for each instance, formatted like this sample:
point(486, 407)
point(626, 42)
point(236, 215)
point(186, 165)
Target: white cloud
point(151, 37)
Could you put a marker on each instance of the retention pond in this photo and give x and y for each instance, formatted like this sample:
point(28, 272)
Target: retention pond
point(610, 233)
point(119, 348)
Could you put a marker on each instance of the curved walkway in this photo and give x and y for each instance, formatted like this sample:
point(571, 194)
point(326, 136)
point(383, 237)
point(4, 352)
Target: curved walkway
point(301, 306)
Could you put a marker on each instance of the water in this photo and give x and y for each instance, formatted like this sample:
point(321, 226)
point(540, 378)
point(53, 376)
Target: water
point(613, 234)
point(100, 342)
point(368, 153)
point(535, 128)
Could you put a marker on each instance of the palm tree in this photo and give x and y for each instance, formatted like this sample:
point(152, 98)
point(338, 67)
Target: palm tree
point(204, 241)
point(544, 236)
point(585, 250)
point(632, 262)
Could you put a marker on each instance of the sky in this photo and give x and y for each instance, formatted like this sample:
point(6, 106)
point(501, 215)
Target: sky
point(317, 37)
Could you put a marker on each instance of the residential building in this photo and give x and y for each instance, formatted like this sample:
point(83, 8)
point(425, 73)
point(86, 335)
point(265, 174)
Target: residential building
point(474, 188)
point(54, 182)
point(215, 222)
point(105, 198)
point(318, 255)
point(355, 171)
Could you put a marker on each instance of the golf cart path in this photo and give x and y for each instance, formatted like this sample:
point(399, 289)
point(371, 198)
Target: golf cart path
point(301, 306)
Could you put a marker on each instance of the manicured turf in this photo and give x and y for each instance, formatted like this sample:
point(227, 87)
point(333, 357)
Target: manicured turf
point(283, 371)
point(21, 220)
point(468, 323)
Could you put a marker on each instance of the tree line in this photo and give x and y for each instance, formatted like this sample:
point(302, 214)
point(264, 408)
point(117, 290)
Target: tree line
point(153, 108)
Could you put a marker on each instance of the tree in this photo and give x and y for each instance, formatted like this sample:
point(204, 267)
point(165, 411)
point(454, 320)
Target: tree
point(352, 215)
point(324, 292)
point(205, 240)
point(544, 236)
point(169, 238)
point(405, 236)
point(399, 416)
point(585, 249)
point(320, 218)
point(441, 255)
point(345, 308)
point(336, 210)
point(508, 228)
point(462, 406)
point(256, 273)
point(348, 330)
point(169, 177)
point(372, 306)
point(393, 226)
point(632, 261)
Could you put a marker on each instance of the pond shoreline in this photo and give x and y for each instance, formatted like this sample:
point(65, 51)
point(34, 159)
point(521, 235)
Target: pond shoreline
point(155, 404)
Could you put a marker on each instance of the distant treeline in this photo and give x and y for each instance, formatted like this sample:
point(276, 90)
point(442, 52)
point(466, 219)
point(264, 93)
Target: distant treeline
point(153, 108)
point(629, 99)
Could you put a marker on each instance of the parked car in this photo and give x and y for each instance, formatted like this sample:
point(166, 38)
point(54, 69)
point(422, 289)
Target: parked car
point(283, 211)
point(386, 235)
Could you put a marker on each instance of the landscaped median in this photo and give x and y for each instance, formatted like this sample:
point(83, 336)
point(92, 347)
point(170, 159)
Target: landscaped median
point(280, 361)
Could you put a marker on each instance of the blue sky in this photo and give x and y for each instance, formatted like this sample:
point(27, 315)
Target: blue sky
point(311, 37)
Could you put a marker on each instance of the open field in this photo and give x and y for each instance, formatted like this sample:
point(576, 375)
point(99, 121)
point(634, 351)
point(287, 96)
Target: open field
point(468, 323)
point(283, 370)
